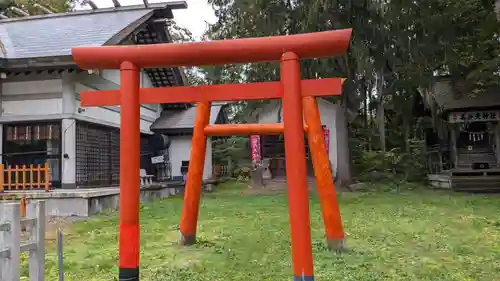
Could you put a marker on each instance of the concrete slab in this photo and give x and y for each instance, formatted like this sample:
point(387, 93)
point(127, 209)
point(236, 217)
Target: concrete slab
point(85, 202)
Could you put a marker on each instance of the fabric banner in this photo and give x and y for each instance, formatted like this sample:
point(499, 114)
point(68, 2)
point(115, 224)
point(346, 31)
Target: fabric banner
point(255, 147)
point(326, 133)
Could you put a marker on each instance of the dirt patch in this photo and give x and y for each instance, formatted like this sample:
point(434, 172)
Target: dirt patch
point(269, 188)
point(275, 186)
point(62, 223)
point(51, 226)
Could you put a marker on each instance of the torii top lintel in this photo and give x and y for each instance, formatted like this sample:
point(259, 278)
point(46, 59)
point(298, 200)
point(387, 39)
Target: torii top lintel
point(309, 45)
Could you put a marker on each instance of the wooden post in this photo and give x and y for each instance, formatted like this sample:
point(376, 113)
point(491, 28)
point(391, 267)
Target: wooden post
point(10, 241)
point(47, 176)
point(2, 174)
point(39, 177)
point(31, 176)
point(37, 257)
point(296, 172)
point(24, 177)
point(324, 177)
point(23, 205)
point(453, 145)
point(497, 142)
point(60, 261)
point(16, 170)
point(440, 158)
point(9, 177)
point(190, 207)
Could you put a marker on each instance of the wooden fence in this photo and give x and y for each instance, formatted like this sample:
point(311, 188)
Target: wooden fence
point(25, 177)
point(220, 170)
point(11, 244)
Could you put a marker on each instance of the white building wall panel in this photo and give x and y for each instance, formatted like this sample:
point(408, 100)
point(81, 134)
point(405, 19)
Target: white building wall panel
point(327, 112)
point(110, 115)
point(32, 87)
point(149, 113)
point(32, 107)
point(180, 150)
point(113, 75)
point(270, 114)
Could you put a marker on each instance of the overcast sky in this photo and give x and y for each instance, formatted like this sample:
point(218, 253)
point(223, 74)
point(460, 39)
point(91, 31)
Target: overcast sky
point(193, 18)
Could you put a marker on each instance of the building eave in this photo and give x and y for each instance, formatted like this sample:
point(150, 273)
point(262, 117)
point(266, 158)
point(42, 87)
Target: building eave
point(39, 63)
point(175, 132)
point(149, 28)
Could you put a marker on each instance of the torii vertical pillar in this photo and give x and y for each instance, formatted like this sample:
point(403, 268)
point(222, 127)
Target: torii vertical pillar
point(324, 177)
point(191, 205)
point(129, 172)
point(130, 58)
point(296, 171)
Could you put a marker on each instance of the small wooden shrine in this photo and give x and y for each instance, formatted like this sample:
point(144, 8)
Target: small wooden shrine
point(464, 143)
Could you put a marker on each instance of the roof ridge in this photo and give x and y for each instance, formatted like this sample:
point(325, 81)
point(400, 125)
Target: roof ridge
point(152, 6)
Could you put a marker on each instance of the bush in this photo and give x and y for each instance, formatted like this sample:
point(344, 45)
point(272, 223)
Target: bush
point(392, 165)
point(242, 173)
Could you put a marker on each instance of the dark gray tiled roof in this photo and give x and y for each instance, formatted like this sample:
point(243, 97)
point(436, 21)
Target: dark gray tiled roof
point(442, 93)
point(55, 35)
point(182, 119)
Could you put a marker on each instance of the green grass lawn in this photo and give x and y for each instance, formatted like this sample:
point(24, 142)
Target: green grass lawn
point(413, 235)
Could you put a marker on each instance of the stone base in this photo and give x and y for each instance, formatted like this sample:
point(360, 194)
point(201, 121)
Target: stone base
point(337, 245)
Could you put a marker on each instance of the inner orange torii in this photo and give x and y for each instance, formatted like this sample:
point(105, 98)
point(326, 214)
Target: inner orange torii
point(298, 97)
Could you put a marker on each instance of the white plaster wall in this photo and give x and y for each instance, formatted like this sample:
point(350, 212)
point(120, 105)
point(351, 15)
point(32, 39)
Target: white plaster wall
point(207, 171)
point(180, 150)
point(30, 105)
point(327, 112)
point(37, 100)
point(109, 115)
point(145, 81)
point(68, 174)
point(113, 75)
point(150, 112)
point(68, 131)
point(32, 87)
point(269, 114)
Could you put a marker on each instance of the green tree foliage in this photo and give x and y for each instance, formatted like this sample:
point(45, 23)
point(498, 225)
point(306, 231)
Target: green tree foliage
point(397, 47)
point(236, 147)
point(31, 6)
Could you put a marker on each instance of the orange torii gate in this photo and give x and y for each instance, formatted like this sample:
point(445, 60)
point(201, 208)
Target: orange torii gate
point(298, 97)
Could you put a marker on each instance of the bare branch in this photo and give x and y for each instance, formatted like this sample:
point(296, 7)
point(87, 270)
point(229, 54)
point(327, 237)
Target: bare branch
point(116, 3)
point(19, 12)
point(43, 8)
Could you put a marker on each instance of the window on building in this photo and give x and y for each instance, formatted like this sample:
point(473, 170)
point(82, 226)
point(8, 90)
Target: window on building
point(34, 144)
point(98, 155)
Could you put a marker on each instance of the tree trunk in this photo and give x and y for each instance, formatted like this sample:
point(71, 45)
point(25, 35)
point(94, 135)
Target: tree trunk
point(407, 135)
point(364, 94)
point(381, 111)
point(381, 124)
point(369, 116)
